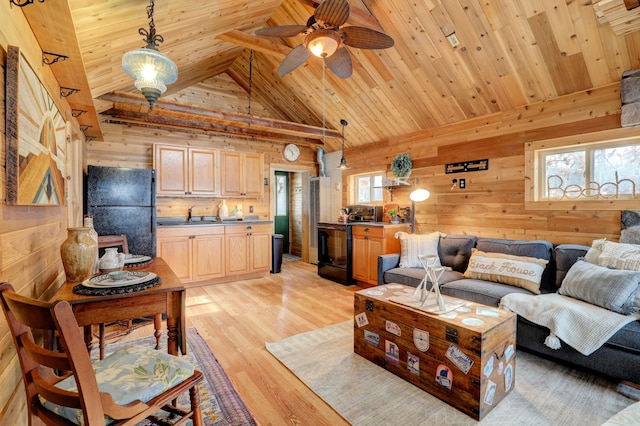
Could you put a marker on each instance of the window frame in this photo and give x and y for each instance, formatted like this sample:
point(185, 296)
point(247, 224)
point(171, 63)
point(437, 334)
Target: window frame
point(535, 172)
point(356, 192)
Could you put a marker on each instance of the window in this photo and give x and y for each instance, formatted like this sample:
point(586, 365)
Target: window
point(368, 188)
point(602, 170)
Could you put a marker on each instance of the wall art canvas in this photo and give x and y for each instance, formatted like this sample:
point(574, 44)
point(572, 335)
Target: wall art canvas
point(36, 138)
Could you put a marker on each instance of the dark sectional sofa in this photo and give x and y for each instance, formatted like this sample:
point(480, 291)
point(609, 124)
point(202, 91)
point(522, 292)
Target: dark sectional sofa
point(619, 358)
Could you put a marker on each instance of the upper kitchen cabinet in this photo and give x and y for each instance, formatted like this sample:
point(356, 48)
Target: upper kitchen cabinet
point(242, 174)
point(186, 171)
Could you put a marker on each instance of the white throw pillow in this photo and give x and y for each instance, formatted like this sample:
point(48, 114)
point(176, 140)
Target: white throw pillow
point(595, 251)
point(620, 256)
point(414, 245)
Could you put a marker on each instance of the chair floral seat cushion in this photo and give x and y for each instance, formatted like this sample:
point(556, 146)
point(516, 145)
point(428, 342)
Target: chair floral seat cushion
point(129, 374)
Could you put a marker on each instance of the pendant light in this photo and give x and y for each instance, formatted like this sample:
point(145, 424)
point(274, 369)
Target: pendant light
point(343, 161)
point(151, 69)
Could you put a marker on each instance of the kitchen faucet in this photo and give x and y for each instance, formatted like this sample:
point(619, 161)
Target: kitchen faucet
point(189, 216)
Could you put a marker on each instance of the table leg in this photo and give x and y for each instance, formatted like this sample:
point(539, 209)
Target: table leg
point(88, 337)
point(157, 325)
point(172, 335)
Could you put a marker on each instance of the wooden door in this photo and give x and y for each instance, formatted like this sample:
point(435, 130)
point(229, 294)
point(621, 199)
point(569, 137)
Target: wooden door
point(260, 251)
point(360, 258)
point(236, 253)
point(176, 251)
point(208, 256)
point(203, 174)
point(374, 249)
point(253, 175)
point(231, 174)
point(171, 164)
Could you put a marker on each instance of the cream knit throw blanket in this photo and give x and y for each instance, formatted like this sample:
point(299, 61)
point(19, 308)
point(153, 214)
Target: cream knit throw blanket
point(583, 326)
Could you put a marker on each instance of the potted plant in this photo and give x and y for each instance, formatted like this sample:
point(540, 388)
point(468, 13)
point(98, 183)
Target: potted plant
point(401, 166)
point(393, 215)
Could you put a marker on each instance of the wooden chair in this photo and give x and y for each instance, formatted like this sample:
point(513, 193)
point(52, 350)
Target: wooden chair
point(79, 394)
point(113, 241)
point(105, 241)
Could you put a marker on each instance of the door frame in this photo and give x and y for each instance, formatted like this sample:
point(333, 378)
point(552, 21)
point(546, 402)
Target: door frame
point(306, 176)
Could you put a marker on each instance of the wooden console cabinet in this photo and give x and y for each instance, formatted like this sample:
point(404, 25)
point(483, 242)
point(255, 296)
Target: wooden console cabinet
point(467, 359)
point(370, 241)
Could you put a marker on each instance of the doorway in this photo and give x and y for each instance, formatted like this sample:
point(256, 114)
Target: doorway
point(297, 201)
point(282, 218)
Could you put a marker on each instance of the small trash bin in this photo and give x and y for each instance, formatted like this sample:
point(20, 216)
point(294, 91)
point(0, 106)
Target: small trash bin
point(276, 256)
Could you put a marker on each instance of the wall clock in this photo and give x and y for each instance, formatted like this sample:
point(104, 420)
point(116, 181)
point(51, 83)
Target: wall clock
point(291, 152)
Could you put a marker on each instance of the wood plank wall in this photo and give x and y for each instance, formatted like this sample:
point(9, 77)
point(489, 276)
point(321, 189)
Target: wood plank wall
point(492, 205)
point(132, 146)
point(30, 237)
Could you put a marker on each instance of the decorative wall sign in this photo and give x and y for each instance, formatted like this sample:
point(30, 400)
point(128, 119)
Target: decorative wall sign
point(467, 166)
point(36, 138)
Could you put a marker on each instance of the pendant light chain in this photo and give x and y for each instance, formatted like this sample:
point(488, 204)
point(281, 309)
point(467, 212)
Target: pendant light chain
point(250, 79)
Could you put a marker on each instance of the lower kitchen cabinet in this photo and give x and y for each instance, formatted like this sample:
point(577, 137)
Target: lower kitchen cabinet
point(248, 249)
point(369, 242)
point(216, 253)
point(194, 253)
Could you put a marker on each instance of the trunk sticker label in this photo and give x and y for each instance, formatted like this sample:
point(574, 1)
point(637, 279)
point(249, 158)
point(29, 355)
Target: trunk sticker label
point(444, 376)
point(372, 338)
point(361, 319)
point(421, 339)
point(393, 328)
point(459, 358)
point(413, 363)
point(392, 352)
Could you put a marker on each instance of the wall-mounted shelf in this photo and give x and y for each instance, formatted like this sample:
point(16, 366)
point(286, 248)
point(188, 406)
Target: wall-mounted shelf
point(391, 188)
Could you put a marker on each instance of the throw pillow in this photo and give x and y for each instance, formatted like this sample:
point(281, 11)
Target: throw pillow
point(595, 251)
point(613, 289)
point(520, 271)
point(414, 245)
point(620, 256)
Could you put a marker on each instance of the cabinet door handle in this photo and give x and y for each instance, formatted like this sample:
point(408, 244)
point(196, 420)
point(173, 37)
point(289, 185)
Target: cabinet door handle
point(249, 227)
point(366, 229)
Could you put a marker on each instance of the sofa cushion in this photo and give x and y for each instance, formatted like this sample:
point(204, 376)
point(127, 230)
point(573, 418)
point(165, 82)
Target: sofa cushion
point(479, 291)
point(539, 249)
point(566, 255)
point(414, 245)
point(413, 276)
point(620, 256)
point(520, 271)
point(613, 289)
point(455, 250)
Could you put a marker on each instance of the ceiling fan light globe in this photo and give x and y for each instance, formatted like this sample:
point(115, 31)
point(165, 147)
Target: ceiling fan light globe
point(323, 43)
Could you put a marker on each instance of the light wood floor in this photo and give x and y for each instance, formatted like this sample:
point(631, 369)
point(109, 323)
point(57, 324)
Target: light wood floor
point(236, 319)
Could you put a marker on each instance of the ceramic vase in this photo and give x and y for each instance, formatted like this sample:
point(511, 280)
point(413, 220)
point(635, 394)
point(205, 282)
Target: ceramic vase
point(88, 223)
point(79, 252)
point(223, 209)
point(111, 260)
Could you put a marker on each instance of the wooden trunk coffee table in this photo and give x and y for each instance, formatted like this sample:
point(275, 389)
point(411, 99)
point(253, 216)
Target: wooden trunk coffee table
point(465, 357)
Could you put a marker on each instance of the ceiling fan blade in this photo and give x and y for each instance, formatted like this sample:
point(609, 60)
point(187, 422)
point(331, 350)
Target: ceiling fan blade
point(340, 63)
point(332, 12)
point(281, 31)
point(293, 60)
point(365, 38)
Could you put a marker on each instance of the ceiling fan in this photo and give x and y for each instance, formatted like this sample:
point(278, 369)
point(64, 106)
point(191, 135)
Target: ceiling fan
point(326, 39)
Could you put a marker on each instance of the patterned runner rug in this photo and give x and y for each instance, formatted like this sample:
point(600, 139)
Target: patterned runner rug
point(221, 405)
point(545, 393)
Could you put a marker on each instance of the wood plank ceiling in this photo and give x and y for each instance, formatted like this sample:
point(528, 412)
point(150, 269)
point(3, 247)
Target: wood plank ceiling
point(511, 53)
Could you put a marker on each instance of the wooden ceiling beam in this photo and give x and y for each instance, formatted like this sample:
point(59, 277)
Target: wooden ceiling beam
point(260, 44)
point(132, 107)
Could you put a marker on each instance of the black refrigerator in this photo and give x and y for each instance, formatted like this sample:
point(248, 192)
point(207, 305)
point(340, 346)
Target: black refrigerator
point(123, 201)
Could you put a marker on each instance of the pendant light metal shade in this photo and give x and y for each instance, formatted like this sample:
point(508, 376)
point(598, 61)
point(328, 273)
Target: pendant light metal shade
point(150, 69)
point(343, 161)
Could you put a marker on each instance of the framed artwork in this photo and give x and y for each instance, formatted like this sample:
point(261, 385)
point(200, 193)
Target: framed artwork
point(36, 138)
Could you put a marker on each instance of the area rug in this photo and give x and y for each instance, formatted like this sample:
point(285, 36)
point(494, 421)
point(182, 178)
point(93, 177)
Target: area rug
point(545, 393)
point(221, 405)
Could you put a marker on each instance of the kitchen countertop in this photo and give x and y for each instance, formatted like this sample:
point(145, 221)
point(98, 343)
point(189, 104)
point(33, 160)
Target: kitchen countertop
point(371, 224)
point(173, 222)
